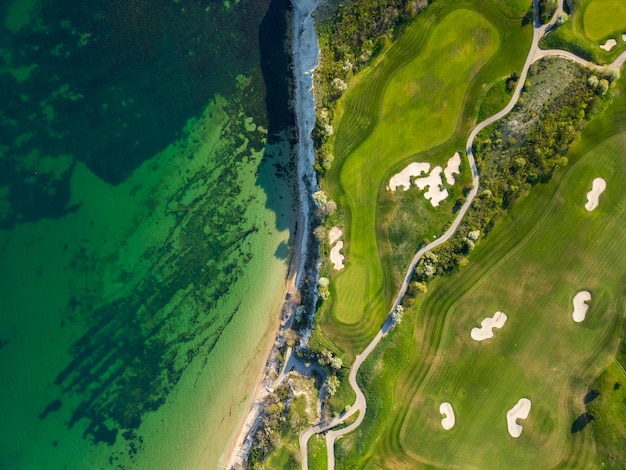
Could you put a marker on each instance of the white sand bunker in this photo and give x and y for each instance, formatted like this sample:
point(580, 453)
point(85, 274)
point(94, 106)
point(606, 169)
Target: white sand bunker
point(487, 325)
point(597, 187)
point(336, 257)
point(452, 168)
point(580, 306)
point(435, 193)
point(608, 45)
point(334, 234)
point(403, 179)
point(447, 412)
point(519, 411)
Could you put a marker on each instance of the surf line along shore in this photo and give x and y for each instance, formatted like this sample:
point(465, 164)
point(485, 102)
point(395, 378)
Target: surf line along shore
point(305, 52)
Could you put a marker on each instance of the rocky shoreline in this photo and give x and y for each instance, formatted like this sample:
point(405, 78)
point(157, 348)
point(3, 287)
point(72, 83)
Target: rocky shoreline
point(301, 284)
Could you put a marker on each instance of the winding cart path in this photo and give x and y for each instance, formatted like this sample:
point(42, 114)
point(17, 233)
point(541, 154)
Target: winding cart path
point(360, 404)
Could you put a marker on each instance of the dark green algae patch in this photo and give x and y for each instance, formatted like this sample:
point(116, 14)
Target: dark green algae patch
point(145, 163)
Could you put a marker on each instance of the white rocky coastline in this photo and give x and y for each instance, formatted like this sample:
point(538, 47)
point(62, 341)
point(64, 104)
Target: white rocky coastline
point(305, 52)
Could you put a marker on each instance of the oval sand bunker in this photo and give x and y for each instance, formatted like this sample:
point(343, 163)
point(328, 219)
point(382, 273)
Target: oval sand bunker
point(334, 234)
point(447, 412)
point(336, 257)
point(597, 187)
point(519, 411)
point(580, 307)
point(487, 325)
point(609, 44)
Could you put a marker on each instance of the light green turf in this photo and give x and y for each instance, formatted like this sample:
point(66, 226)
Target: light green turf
point(418, 103)
point(404, 390)
point(419, 110)
point(540, 352)
point(514, 8)
point(604, 18)
point(591, 24)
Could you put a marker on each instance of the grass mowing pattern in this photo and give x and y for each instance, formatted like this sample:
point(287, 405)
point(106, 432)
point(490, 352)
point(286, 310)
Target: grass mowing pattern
point(583, 33)
point(441, 73)
point(376, 101)
point(384, 448)
point(540, 350)
point(608, 410)
point(604, 18)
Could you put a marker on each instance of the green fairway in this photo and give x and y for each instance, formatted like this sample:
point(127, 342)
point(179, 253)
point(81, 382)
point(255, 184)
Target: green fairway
point(533, 263)
point(540, 353)
point(592, 22)
point(603, 18)
point(408, 124)
point(416, 104)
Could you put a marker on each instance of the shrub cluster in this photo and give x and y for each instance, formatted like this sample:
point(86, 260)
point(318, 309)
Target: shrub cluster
point(510, 163)
point(357, 33)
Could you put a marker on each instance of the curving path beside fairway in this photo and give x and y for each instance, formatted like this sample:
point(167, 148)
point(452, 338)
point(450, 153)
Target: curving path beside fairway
point(360, 404)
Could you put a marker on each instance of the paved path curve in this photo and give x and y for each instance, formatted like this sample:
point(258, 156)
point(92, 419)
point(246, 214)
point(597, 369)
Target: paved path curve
point(360, 404)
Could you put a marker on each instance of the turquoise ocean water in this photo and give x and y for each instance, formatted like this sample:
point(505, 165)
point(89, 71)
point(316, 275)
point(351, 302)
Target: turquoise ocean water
point(146, 211)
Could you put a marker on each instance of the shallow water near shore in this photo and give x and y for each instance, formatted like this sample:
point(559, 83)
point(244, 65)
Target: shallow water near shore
point(146, 209)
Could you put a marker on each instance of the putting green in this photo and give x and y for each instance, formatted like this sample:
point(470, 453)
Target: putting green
point(602, 18)
point(420, 109)
point(540, 353)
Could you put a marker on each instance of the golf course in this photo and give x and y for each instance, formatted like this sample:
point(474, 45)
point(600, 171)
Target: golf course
point(595, 31)
point(490, 367)
point(416, 105)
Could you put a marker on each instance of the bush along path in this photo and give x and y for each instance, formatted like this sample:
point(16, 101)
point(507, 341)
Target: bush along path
point(360, 404)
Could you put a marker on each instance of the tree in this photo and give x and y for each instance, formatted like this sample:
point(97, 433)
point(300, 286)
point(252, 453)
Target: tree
point(396, 315)
point(336, 362)
point(332, 384)
point(291, 337)
point(561, 18)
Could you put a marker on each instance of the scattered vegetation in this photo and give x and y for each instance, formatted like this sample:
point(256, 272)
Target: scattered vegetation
point(582, 35)
point(607, 415)
point(524, 149)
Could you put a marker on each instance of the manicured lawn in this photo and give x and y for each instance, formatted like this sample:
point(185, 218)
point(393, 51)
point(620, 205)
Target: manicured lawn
point(602, 18)
point(408, 124)
point(534, 261)
point(416, 104)
point(540, 353)
point(591, 23)
point(317, 453)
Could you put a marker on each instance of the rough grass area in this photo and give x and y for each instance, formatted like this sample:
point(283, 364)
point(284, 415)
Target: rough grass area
point(514, 8)
point(317, 453)
point(302, 414)
point(583, 35)
point(532, 264)
point(420, 97)
point(408, 223)
point(540, 353)
point(606, 405)
point(496, 98)
point(604, 18)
